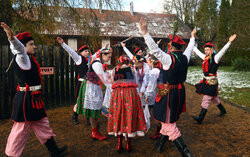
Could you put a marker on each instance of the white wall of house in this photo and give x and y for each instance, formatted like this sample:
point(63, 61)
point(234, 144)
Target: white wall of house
point(104, 42)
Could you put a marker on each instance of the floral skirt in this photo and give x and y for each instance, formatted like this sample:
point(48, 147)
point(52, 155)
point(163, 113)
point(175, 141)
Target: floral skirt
point(126, 111)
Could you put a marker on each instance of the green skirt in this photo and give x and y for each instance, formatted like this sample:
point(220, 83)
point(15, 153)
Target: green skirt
point(80, 104)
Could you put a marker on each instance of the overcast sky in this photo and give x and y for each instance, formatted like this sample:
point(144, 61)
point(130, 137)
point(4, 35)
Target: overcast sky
point(144, 5)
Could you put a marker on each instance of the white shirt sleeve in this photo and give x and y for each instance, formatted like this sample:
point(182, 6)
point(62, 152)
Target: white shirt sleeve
point(97, 67)
point(189, 48)
point(77, 58)
point(164, 58)
point(146, 71)
point(153, 76)
point(219, 55)
point(199, 53)
point(22, 58)
point(130, 55)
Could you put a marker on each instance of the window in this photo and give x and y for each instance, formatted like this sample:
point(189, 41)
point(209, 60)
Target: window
point(122, 23)
point(154, 24)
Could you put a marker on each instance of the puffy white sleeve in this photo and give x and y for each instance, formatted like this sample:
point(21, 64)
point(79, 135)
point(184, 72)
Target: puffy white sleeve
point(164, 58)
point(77, 58)
point(22, 58)
point(189, 49)
point(219, 55)
point(153, 76)
point(199, 53)
point(130, 55)
point(97, 67)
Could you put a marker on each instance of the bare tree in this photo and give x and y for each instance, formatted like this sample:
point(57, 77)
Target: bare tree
point(184, 9)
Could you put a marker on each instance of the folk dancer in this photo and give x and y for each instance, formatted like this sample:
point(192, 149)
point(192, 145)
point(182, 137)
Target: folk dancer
point(150, 91)
point(208, 86)
point(28, 111)
point(81, 61)
point(126, 116)
point(91, 95)
point(170, 98)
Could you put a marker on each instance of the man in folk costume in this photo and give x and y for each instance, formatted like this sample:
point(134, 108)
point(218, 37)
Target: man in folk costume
point(28, 111)
point(170, 98)
point(209, 85)
point(81, 61)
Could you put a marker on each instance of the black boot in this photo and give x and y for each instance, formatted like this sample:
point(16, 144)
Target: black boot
point(160, 143)
point(201, 116)
point(182, 147)
point(75, 118)
point(222, 110)
point(53, 149)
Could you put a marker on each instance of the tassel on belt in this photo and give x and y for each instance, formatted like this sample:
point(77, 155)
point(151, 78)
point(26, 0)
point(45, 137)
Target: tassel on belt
point(36, 99)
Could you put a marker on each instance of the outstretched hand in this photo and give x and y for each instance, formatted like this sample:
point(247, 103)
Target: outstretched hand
point(59, 40)
point(232, 37)
point(158, 42)
point(144, 26)
point(8, 31)
point(122, 44)
point(193, 32)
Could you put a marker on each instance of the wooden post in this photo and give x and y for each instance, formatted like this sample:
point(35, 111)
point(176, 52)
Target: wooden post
point(45, 77)
point(67, 79)
point(62, 90)
point(51, 78)
point(57, 76)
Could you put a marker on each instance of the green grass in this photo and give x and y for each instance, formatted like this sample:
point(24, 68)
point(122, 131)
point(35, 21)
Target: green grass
point(241, 96)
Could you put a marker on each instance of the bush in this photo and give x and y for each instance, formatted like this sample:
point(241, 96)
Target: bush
point(240, 64)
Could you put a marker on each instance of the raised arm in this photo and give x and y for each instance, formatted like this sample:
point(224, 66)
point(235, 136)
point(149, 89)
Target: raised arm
point(17, 48)
point(199, 53)
point(130, 55)
point(219, 55)
point(77, 58)
point(190, 46)
point(164, 58)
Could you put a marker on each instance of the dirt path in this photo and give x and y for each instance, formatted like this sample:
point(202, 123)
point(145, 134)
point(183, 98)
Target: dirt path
point(228, 136)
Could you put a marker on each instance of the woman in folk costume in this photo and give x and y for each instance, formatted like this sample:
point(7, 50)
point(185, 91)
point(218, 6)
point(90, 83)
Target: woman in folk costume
point(142, 69)
point(28, 111)
point(209, 85)
point(91, 95)
point(150, 91)
point(126, 116)
point(170, 98)
point(81, 61)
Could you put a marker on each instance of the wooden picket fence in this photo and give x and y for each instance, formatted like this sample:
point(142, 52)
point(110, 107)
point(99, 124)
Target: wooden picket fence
point(58, 89)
